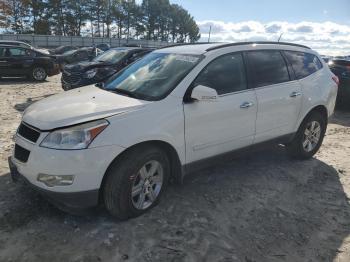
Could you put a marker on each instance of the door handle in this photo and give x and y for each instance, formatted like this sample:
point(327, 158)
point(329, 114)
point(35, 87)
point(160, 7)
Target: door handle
point(295, 94)
point(246, 105)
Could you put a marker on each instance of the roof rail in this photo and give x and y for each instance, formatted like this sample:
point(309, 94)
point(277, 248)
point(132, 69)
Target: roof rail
point(256, 42)
point(184, 44)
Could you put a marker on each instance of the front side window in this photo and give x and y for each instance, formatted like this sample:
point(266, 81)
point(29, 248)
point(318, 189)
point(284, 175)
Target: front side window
point(153, 76)
point(225, 74)
point(2, 52)
point(304, 64)
point(268, 66)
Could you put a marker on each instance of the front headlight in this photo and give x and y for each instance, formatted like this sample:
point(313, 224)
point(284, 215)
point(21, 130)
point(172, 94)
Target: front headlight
point(76, 137)
point(91, 73)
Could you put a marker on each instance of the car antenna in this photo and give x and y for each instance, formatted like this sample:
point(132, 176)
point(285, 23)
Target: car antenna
point(279, 39)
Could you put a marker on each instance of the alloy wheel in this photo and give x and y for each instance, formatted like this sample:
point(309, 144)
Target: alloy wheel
point(312, 135)
point(147, 185)
point(39, 74)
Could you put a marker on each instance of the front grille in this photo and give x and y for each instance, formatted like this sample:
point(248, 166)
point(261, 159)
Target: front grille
point(21, 153)
point(71, 77)
point(28, 132)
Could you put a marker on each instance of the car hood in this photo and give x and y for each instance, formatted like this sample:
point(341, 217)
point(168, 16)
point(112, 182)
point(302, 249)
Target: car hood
point(78, 106)
point(43, 50)
point(86, 65)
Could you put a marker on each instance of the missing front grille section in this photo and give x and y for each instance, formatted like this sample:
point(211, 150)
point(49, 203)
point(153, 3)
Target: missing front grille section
point(21, 153)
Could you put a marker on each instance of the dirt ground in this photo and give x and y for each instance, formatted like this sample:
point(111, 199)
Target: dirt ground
point(259, 207)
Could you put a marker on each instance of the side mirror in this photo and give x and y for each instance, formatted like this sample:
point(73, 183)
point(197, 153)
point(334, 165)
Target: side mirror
point(204, 93)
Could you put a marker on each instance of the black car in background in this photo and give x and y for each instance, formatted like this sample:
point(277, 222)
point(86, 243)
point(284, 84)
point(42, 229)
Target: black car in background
point(62, 49)
point(103, 47)
point(19, 61)
point(341, 68)
point(76, 56)
point(100, 68)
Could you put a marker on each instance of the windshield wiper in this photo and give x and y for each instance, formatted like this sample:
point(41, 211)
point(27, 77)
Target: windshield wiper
point(132, 94)
point(100, 85)
point(125, 92)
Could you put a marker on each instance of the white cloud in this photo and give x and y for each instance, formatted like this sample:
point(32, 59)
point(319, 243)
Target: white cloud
point(327, 37)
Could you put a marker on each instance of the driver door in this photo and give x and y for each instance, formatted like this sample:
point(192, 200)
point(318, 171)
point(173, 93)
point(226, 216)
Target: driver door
point(213, 128)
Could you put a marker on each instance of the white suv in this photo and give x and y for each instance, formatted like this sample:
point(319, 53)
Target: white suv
point(169, 113)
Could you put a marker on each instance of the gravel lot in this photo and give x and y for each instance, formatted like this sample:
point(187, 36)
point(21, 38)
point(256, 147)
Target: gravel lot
point(259, 207)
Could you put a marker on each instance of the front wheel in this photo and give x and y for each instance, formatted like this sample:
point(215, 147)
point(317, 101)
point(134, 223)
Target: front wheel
point(38, 74)
point(309, 137)
point(135, 182)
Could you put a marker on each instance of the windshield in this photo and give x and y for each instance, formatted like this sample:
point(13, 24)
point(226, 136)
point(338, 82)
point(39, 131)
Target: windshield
point(152, 77)
point(111, 56)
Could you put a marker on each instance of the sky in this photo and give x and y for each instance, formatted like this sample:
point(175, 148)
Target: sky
point(323, 25)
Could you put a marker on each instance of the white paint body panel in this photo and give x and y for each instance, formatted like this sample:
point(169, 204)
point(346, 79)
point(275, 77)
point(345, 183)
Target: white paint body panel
point(278, 112)
point(213, 128)
point(196, 131)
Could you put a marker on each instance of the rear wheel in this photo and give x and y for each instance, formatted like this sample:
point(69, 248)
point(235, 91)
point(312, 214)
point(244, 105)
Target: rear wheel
point(309, 137)
point(38, 74)
point(134, 184)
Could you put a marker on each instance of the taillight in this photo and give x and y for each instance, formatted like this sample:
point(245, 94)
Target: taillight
point(336, 79)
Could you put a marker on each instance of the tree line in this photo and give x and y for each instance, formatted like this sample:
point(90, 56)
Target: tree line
point(151, 19)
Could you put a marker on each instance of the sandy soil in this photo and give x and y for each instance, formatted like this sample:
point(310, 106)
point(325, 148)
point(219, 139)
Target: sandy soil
point(260, 207)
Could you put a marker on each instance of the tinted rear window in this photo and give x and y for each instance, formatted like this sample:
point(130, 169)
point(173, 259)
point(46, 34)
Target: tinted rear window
point(304, 64)
point(269, 67)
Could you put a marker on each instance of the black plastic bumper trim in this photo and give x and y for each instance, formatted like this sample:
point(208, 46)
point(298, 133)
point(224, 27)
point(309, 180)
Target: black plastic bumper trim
point(65, 201)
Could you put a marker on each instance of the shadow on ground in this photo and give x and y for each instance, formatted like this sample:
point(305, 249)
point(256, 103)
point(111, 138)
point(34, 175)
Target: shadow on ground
point(341, 117)
point(262, 207)
point(19, 81)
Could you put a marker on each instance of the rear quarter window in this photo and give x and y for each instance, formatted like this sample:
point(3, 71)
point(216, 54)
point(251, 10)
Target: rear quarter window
point(303, 64)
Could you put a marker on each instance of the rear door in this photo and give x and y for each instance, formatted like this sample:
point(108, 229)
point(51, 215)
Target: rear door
point(278, 94)
point(213, 128)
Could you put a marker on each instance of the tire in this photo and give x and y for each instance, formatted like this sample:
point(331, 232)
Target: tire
point(301, 149)
point(64, 87)
point(125, 175)
point(38, 74)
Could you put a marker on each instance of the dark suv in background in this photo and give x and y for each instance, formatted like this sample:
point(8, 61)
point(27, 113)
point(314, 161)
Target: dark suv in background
point(19, 61)
point(104, 46)
point(62, 49)
point(341, 68)
point(78, 55)
point(101, 67)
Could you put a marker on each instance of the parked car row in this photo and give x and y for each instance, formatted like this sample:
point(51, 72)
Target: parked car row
point(101, 67)
point(80, 66)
